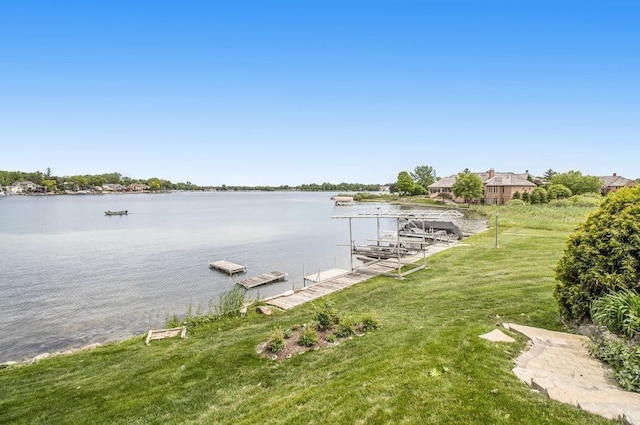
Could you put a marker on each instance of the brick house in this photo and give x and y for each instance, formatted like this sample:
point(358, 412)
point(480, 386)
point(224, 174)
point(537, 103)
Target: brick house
point(498, 187)
point(615, 182)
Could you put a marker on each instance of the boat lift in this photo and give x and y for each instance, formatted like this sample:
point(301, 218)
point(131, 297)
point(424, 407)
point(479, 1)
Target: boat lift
point(416, 244)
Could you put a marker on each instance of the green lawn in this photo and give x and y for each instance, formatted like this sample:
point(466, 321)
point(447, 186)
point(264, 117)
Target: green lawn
point(425, 365)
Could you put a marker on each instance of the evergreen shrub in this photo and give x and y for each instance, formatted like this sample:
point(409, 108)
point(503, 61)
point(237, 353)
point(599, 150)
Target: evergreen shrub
point(602, 256)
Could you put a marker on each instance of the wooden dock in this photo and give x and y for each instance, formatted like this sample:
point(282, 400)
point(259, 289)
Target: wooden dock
point(337, 283)
point(262, 279)
point(227, 267)
point(325, 275)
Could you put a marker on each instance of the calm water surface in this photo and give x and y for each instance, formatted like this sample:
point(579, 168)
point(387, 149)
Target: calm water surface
point(70, 276)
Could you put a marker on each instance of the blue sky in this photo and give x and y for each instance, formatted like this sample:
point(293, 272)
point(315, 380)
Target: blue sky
point(291, 92)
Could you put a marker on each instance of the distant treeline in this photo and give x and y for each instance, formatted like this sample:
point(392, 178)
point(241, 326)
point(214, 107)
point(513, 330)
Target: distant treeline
point(312, 187)
point(89, 181)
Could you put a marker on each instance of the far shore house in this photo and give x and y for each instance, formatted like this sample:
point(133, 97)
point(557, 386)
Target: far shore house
point(110, 187)
point(137, 187)
point(25, 186)
point(614, 182)
point(498, 187)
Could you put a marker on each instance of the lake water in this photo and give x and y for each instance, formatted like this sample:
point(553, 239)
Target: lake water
point(71, 276)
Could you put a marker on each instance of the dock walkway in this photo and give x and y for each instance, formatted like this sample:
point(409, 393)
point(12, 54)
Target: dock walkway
point(262, 279)
point(366, 272)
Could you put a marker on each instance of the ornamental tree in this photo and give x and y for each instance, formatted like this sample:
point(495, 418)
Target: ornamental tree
point(601, 256)
point(424, 175)
point(577, 183)
point(467, 186)
point(404, 185)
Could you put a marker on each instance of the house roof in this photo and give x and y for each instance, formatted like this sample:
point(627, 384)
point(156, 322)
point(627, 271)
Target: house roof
point(614, 181)
point(508, 179)
point(444, 182)
point(498, 179)
point(23, 183)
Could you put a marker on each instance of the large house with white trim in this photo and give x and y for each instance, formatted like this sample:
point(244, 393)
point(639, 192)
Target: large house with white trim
point(25, 186)
point(498, 187)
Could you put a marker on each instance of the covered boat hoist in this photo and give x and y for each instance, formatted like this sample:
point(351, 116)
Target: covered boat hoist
point(397, 247)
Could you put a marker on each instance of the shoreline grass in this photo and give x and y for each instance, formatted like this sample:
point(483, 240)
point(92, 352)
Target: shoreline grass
point(426, 364)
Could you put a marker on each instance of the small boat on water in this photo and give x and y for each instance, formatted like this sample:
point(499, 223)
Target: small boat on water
point(343, 200)
point(121, 212)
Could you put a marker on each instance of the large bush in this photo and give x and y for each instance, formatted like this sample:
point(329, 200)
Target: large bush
point(601, 256)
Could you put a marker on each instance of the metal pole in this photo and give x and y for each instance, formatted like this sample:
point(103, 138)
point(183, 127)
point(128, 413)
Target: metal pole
point(378, 223)
point(398, 244)
point(497, 246)
point(350, 245)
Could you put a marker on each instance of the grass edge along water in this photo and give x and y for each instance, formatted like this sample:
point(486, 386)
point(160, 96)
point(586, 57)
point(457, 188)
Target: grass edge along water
point(426, 364)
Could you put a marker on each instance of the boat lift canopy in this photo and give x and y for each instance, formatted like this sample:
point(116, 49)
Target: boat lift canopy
point(406, 214)
point(418, 215)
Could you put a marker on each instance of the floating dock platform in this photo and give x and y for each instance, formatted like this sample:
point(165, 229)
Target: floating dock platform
point(262, 279)
point(227, 267)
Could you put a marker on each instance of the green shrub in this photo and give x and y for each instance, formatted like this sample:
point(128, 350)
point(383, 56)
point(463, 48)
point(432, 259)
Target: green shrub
point(346, 327)
point(331, 338)
point(308, 337)
point(231, 302)
point(325, 317)
point(562, 203)
point(539, 196)
point(558, 191)
point(624, 361)
point(516, 203)
point(370, 321)
point(276, 340)
point(601, 256)
point(172, 322)
point(586, 200)
point(619, 312)
point(287, 333)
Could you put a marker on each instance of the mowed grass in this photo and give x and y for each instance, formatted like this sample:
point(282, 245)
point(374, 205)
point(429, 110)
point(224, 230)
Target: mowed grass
point(426, 365)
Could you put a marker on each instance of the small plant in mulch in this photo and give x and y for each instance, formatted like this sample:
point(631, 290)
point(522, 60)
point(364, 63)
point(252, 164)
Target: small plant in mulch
point(308, 337)
point(346, 327)
point(325, 330)
point(326, 317)
point(276, 342)
point(370, 321)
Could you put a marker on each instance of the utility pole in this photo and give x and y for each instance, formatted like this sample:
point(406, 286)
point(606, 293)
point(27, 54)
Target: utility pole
point(497, 246)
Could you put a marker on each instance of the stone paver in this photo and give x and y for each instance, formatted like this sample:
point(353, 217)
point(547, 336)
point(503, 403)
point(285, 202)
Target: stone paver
point(497, 335)
point(558, 365)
